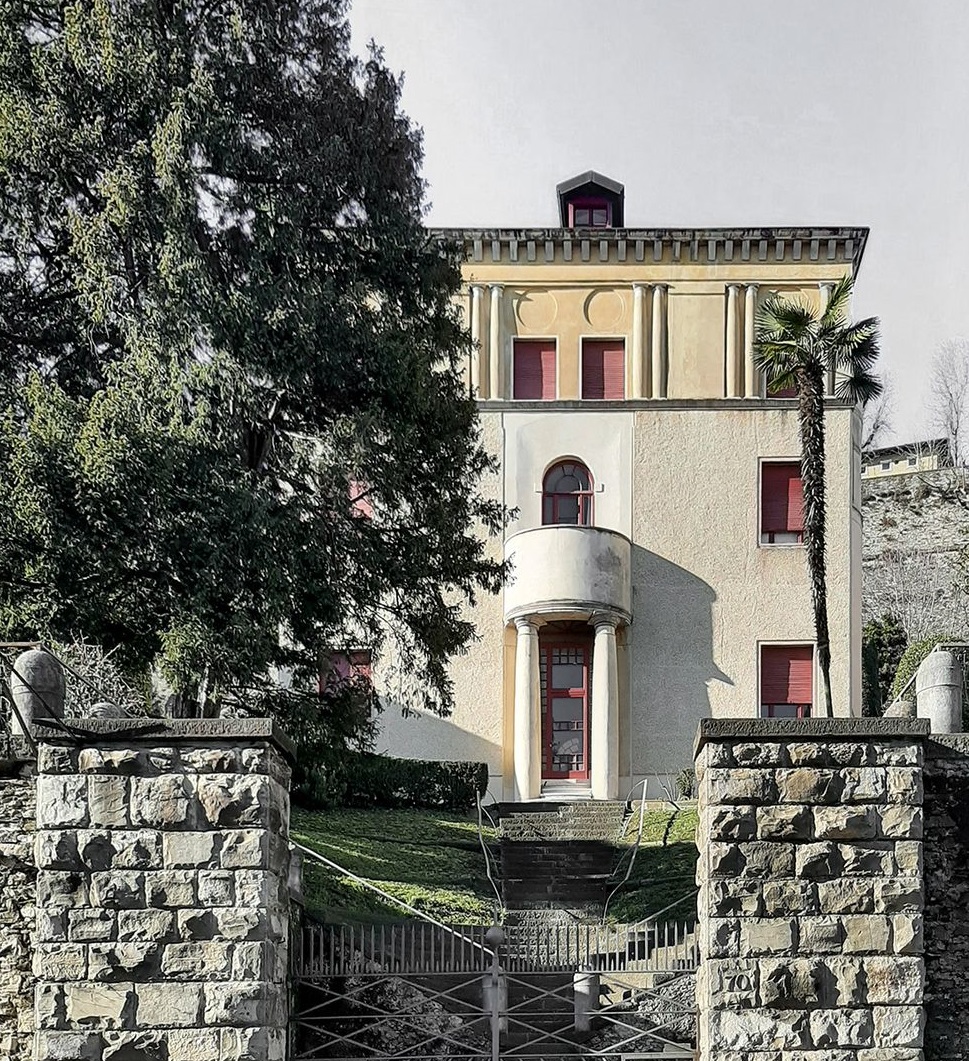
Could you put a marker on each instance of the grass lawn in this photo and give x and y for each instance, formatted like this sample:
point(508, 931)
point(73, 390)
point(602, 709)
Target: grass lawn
point(433, 861)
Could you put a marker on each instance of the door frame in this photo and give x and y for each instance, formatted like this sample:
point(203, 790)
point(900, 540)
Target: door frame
point(546, 647)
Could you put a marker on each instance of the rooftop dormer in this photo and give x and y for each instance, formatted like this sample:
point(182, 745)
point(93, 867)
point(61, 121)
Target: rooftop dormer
point(590, 200)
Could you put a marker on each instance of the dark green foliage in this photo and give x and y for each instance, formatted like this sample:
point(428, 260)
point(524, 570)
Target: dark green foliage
point(221, 321)
point(884, 641)
point(360, 779)
point(686, 784)
point(797, 346)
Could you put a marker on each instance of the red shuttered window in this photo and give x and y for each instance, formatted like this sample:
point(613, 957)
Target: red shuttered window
point(786, 681)
point(604, 369)
point(534, 370)
point(781, 503)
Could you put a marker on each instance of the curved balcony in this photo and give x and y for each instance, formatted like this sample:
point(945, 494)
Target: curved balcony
point(568, 571)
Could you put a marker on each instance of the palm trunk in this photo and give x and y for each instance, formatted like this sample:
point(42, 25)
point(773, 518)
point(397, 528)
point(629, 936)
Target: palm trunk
point(811, 417)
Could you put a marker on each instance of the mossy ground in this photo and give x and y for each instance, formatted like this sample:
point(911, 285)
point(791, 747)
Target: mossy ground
point(433, 861)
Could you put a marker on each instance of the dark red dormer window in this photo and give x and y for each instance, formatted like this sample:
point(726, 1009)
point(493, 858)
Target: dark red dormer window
point(590, 213)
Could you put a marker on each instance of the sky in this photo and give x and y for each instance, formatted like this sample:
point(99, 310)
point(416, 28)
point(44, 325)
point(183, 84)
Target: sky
point(752, 112)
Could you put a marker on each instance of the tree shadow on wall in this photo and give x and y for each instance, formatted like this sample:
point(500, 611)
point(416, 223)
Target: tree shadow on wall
point(673, 663)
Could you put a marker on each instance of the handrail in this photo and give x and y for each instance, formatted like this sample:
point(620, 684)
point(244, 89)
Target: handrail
point(635, 850)
point(385, 895)
point(487, 856)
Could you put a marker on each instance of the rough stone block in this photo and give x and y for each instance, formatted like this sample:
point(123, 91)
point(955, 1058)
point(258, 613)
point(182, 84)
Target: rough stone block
point(86, 925)
point(145, 926)
point(820, 861)
point(908, 858)
point(160, 802)
point(768, 935)
point(171, 888)
point(114, 962)
point(233, 801)
point(866, 934)
point(847, 896)
point(809, 785)
point(120, 849)
point(907, 934)
point(900, 821)
point(894, 981)
point(60, 961)
point(256, 887)
point(69, 1046)
point(257, 1044)
point(768, 753)
point(898, 752)
point(863, 784)
point(209, 760)
point(57, 849)
point(215, 887)
point(108, 801)
point(729, 823)
point(788, 983)
point(61, 888)
point(121, 889)
point(898, 895)
point(100, 1005)
point(875, 859)
point(208, 960)
point(112, 761)
point(904, 784)
point(236, 1003)
point(763, 1029)
point(898, 1026)
point(245, 849)
point(894, 1053)
point(61, 800)
point(780, 897)
point(741, 786)
point(139, 1045)
point(851, 753)
point(728, 898)
point(844, 823)
point(197, 1044)
point(807, 753)
point(820, 935)
point(169, 1005)
point(49, 1005)
point(52, 925)
point(53, 759)
point(196, 849)
point(789, 821)
point(723, 937)
point(251, 961)
point(842, 1027)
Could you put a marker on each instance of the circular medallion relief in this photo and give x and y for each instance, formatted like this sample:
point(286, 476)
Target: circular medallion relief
point(604, 309)
point(536, 310)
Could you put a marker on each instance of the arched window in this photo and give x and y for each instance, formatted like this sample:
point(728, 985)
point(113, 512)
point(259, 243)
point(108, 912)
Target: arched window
point(567, 494)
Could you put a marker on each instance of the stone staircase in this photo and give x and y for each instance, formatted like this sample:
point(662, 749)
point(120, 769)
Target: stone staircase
point(556, 860)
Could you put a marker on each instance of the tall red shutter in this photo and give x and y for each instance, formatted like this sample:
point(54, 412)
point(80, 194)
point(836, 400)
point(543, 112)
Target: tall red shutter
point(787, 674)
point(534, 370)
point(604, 369)
point(782, 498)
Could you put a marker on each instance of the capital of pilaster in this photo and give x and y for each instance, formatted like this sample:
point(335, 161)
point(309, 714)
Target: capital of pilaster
point(526, 626)
point(604, 619)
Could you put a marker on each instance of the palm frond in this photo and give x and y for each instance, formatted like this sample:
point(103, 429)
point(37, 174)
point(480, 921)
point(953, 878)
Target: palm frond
point(836, 310)
point(790, 318)
point(860, 387)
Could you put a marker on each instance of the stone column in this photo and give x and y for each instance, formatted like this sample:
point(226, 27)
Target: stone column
point(751, 386)
point(658, 336)
point(825, 290)
point(733, 327)
point(477, 341)
point(527, 717)
point(811, 888)
point(604, 736)
point(638, 352)
point(162, 854)
point(494, 346)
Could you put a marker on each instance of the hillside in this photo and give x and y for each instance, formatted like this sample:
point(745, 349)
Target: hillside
point(433, 861)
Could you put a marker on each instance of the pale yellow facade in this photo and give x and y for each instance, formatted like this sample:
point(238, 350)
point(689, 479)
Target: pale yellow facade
point(677, 590)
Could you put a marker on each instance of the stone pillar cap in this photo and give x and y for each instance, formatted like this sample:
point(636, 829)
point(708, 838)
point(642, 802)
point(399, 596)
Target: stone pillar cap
point(855, 729)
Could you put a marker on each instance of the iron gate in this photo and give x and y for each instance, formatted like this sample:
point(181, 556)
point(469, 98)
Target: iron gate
point(416, 990)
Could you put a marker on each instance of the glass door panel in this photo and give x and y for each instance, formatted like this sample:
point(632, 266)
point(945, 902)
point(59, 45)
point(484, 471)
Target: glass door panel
point(565, 711)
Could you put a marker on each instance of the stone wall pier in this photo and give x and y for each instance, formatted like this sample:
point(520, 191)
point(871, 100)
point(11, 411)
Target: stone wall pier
point(162, 891)
point(811, 890)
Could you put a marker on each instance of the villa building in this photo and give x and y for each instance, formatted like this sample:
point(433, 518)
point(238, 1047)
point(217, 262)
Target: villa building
point(658, 572)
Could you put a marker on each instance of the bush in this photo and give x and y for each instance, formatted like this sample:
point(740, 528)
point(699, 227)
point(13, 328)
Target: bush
point(363, 779)
point(883, 644)
point(686, 784)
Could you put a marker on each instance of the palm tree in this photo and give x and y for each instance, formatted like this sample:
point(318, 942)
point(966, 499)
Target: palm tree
point(796, 346)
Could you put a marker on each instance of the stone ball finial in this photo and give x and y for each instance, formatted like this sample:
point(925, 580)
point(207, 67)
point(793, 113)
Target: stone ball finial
point(38, 688)
point(495, 936)
point(105, 709)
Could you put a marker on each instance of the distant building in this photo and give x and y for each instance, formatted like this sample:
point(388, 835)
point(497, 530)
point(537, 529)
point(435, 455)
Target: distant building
point(658, 568)
point(913, 457)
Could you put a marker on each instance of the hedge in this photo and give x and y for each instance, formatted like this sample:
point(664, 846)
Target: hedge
point(362, 779)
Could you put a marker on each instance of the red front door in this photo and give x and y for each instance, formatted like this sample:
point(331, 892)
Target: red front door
point(565, 711)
